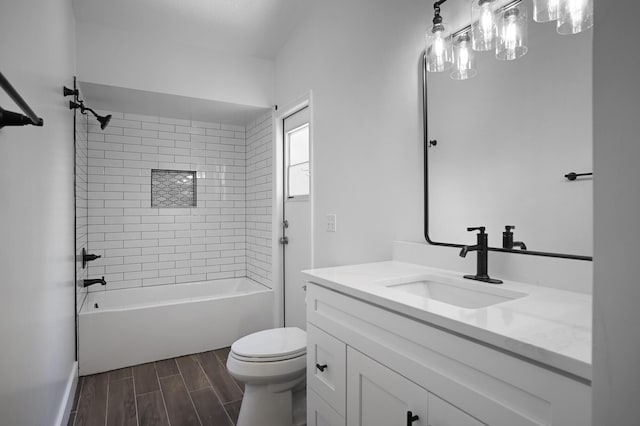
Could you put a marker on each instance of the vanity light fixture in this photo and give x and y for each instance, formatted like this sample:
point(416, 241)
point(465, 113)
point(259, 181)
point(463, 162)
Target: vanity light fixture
point(501, 29)
point(438, 51)
point(483, 27)
point(464, 61)
point(574, 16)
point(512, 33)
point(545, 10)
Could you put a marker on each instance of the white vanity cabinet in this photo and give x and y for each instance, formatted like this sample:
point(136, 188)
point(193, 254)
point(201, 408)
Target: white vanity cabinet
point(370, 366)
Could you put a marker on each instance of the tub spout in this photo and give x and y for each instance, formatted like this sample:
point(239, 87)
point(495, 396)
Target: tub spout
point(87, 283)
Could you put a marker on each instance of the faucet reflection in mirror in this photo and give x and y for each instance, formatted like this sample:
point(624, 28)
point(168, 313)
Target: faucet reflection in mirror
point(500, 29)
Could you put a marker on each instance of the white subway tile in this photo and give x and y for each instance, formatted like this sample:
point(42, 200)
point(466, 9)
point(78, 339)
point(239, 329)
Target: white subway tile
point(158, 126)
point(139, 133)
point(138, 117)
point(158, 281)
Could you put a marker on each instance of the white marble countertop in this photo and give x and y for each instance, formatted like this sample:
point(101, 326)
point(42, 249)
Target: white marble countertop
point(549, 326)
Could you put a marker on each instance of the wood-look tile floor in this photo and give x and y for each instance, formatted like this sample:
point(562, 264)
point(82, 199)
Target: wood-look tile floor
point(191, 390)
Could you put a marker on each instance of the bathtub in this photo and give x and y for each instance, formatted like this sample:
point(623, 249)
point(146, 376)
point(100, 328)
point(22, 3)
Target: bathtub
point(120, 328)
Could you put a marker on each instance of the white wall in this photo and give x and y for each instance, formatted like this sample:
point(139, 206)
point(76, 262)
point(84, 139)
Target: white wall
point(120, 58)
point(616, 373)
point(361, 59)
point(37, 214)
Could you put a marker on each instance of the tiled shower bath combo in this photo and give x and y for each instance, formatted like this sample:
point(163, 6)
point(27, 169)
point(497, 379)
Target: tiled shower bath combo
point(180, 213)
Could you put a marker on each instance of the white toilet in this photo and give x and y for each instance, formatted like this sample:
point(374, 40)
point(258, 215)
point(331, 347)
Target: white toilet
point(271, 364)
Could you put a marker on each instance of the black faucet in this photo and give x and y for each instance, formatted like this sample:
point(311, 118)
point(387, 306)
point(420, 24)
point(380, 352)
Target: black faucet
point(507, 239)
point(482, 247)
point(87, 283)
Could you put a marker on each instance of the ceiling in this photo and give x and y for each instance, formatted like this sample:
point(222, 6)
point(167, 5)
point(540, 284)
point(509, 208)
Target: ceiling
point(255, 28)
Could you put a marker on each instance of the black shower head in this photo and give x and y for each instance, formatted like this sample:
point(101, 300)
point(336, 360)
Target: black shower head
point(104, 121)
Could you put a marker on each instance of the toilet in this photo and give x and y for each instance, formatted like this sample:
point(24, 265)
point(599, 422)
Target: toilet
point(271, 364)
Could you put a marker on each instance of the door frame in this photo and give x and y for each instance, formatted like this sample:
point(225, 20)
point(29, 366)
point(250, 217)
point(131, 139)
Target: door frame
point(277, 255)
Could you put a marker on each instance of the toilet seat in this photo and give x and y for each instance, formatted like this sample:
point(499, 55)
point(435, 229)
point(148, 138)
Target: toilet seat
point(278, 344)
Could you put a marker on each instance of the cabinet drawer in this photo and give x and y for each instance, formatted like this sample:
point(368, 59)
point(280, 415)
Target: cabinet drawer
point(326, 367)
point(319, 413)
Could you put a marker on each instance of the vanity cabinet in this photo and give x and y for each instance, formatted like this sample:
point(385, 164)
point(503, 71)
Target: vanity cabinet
point(370, 366)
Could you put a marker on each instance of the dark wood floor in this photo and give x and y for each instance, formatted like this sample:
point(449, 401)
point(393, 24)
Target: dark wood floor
point(190, 390)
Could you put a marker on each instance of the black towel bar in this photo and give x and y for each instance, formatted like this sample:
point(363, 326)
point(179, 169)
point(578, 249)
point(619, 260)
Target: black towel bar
point(574, 175)
point(8, 118)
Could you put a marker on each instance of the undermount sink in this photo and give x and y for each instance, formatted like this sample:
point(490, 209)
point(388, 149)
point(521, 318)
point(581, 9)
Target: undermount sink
point(457, 293)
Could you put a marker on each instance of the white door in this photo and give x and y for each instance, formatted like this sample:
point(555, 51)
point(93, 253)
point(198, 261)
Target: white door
point(296, 229)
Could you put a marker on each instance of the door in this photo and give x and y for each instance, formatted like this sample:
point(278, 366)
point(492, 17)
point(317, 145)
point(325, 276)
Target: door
point(296, 228)
point(378, 396)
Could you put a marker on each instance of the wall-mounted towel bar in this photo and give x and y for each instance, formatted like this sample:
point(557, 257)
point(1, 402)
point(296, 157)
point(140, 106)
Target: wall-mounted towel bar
point(9, 118)
point(574, 175)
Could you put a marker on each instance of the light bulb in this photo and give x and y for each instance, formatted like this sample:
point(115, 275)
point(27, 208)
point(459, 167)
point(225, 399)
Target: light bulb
point(574, 16)
point(438, 45)
point(464, 64)
point(439, 55)
point(512, 34)
point(483, 25)
point(486, 18)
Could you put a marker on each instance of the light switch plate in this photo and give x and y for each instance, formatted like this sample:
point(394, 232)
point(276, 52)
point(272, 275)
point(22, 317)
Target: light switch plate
point(331, 223)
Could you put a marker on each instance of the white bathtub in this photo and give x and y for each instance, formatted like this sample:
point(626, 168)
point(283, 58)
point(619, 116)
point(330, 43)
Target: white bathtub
point(120, 328)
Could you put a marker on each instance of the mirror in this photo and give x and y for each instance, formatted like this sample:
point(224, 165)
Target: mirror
point(505, 141)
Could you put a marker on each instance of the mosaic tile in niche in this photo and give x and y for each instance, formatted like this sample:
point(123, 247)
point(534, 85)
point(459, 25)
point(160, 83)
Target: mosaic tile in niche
point(173, 188)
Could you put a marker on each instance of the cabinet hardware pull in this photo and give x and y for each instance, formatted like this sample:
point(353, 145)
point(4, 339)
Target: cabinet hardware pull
point(411, 418)
point(321, 367)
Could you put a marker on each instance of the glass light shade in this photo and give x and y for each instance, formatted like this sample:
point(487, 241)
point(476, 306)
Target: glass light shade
point(545, 10)
point(464, 61)
point(574, 16)
point(483, 25)
point(439, 52)
point(512, 33)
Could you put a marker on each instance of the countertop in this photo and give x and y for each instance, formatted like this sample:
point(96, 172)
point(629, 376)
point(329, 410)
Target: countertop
point(548, 326)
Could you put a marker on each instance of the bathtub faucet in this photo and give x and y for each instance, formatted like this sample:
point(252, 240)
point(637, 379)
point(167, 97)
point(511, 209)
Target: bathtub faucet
point(87, 283)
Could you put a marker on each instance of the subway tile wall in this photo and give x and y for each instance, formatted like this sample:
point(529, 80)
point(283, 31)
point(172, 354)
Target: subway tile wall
point(82, 231)
point(145, 246)
point(259, 201)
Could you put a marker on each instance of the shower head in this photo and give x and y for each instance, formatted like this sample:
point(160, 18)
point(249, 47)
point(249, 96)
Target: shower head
point(103, 120)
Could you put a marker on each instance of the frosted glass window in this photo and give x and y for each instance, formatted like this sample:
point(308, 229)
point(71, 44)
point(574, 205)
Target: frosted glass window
point(173, 188)
point(298, 171)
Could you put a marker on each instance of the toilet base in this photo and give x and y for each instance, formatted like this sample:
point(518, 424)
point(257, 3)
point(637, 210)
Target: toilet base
point(267, 405)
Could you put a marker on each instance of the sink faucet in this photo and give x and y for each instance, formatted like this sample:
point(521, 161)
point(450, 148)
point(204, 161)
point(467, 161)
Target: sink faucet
point(482, 247)
point(507, 239)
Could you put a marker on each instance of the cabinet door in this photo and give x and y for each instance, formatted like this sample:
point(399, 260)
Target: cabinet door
point(441, 413)
point(378, 396)
point(319, 413)
point(326, 364)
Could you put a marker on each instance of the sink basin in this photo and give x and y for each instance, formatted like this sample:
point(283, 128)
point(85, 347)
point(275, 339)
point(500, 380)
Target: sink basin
point(457, 293)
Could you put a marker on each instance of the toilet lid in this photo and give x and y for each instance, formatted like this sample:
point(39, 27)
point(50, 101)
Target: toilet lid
point(274, 343)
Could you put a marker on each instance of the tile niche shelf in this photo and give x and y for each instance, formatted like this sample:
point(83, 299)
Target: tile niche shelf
point(173, 188)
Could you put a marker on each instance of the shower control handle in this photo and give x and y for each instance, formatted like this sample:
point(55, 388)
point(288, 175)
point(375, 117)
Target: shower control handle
point(321, 367)
point(411, 418)
point(86, 257)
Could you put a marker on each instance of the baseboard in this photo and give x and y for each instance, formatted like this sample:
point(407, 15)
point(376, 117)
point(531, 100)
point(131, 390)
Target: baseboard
point(67, 401)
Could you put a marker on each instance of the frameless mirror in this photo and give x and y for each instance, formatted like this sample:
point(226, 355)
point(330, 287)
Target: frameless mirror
point(505, 141)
